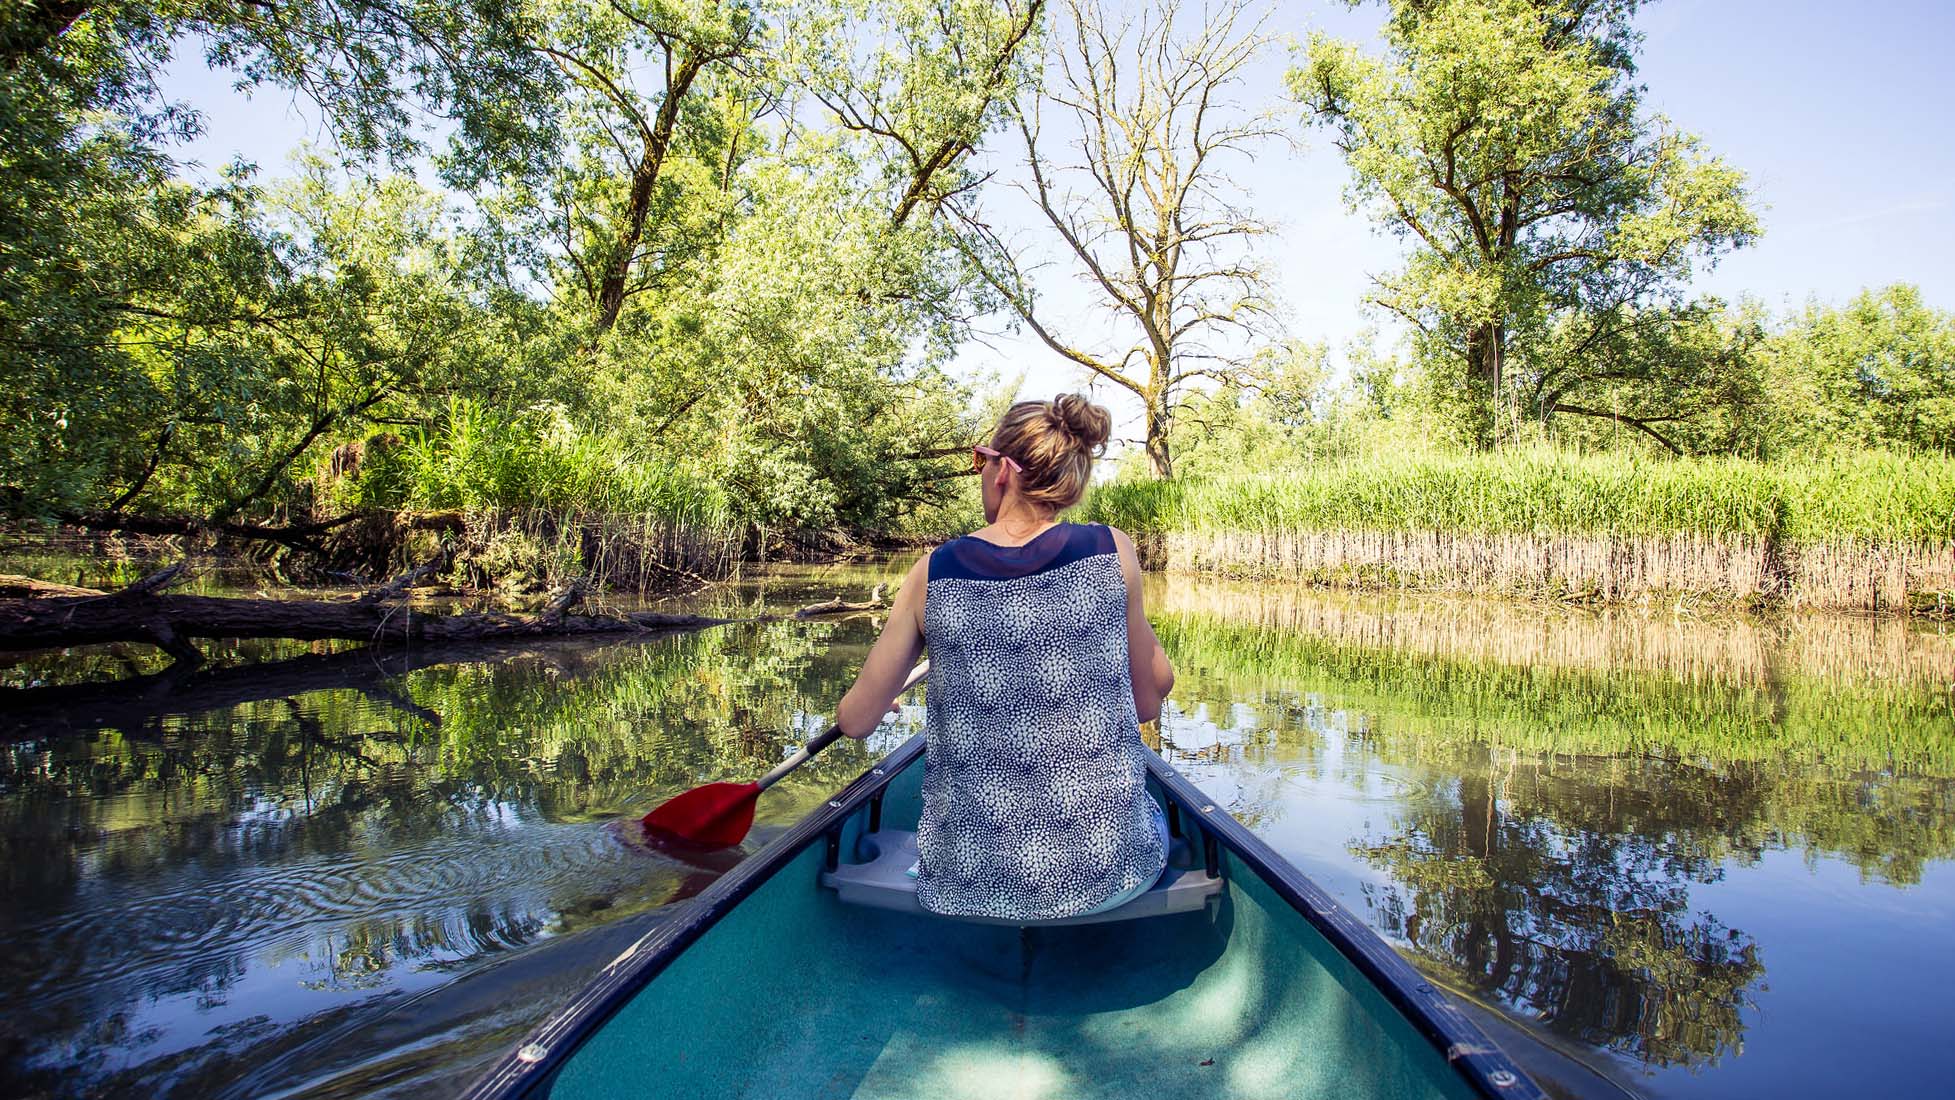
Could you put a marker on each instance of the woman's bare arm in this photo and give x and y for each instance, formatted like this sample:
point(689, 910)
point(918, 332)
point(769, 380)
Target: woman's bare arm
point(890, 659)
point(1148, 663)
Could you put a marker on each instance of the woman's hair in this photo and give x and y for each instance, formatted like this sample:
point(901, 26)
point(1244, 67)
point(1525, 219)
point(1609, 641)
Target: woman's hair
point(1055, 442)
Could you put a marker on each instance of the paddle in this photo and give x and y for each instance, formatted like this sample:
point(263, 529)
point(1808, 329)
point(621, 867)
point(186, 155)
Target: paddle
point(718, 815)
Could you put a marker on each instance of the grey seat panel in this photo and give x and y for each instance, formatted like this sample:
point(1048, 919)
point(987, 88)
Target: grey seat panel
point(881, 881)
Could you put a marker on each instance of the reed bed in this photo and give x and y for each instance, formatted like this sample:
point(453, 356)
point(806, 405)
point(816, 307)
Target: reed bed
point(544, 502)
point(1863, 532)
point(639, 552)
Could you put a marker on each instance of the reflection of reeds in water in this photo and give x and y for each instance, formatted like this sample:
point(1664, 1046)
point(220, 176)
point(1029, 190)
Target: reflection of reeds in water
point(1862, 767)
point(1470, 702)
point(1728, 649)
point(1738, 569)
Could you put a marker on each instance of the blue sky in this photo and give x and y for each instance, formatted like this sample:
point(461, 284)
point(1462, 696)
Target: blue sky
point(1840, 114)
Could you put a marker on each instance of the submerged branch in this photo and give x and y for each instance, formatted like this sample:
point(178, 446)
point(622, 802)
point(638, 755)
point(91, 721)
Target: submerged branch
point(837, 606)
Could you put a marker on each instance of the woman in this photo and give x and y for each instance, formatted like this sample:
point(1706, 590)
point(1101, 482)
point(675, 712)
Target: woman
point(1042, 666)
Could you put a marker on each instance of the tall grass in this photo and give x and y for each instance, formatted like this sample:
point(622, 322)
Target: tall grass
point(1865, 530)
point(546, 500)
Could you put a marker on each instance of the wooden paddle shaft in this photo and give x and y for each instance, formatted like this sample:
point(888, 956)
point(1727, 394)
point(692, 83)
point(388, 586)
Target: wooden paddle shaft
point(827, 737)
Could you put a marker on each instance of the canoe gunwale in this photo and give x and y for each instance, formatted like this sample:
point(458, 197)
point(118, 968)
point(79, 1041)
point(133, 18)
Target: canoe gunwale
point(624, 977)
point(1466, 1048)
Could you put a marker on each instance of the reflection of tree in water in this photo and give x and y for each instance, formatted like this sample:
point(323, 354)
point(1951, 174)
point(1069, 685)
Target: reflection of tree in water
point(1538, 888)
point(343, 834)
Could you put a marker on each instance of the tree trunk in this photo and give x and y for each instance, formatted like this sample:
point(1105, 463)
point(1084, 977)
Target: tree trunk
point(1157, 441)
point(140, 613)
point(614, 286)
point(1486, 351)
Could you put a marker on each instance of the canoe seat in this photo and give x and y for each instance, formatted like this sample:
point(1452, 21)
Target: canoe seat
point(881, 881)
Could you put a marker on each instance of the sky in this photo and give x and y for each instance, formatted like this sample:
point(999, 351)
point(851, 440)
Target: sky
point(1840, 114)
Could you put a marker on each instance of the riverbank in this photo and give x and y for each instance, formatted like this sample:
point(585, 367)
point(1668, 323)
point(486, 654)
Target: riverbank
point(510, 551)
point(1861, 532)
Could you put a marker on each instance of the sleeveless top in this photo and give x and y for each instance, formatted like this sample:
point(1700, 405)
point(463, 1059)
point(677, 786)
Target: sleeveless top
point(1035, 802)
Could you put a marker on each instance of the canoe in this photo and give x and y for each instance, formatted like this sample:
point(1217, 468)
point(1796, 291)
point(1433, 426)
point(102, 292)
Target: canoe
point(805, 972)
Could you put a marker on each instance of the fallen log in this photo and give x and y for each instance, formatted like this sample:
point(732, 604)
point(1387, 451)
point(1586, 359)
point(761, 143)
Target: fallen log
point(142, 613)
point(14, 586)
point(300, 536)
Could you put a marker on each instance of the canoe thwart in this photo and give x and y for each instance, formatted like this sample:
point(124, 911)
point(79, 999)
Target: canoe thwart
point(881, 880)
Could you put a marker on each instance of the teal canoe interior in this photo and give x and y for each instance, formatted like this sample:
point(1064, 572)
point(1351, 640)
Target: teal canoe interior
point(793, 994)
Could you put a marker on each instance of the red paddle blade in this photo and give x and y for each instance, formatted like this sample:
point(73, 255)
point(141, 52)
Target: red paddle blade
point(717, 815)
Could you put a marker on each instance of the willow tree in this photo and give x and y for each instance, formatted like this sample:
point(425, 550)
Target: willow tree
point(743, 239)
point(1136, 192)
point(139, 313)
point(1507, 140)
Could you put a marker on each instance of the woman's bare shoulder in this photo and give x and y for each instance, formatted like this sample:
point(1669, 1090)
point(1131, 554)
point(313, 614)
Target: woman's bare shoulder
point(1123, 545)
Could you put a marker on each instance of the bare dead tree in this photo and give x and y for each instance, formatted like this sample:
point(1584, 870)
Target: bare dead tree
point(1139, 197)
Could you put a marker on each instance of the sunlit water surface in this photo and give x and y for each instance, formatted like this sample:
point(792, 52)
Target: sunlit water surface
point(1693, 857)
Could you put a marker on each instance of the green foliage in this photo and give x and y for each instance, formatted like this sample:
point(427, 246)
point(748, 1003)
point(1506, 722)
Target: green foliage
point(701, 293)
point(477, 458)
point(721, 289)
point(1872, 496)
point(1277, 412)
point(1879, 371)
point(255, 326)
point(1506, 139)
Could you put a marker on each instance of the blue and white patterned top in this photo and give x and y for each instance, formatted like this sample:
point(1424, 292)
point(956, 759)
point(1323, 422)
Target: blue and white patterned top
point(1035, 802)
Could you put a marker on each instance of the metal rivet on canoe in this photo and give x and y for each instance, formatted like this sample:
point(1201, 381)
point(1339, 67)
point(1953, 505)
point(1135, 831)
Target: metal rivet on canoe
point(1502, 1079)
point(875, 771)
point(834, 804)
point(1208, 809)
point(532, 1053)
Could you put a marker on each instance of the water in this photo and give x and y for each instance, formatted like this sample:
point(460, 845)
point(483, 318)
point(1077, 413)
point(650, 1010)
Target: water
point(1700, 857)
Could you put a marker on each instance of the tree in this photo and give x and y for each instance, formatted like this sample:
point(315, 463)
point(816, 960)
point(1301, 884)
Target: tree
point(707, 235)
point(1507, 140)
point(130, 301)
point(792, 291)
point(1154, 226)
point(1686, 377)
point(1879, 371)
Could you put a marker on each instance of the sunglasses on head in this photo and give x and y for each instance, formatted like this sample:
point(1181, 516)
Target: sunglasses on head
point(981, 452)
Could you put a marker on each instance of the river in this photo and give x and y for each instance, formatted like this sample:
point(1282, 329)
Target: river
point(1692, 855)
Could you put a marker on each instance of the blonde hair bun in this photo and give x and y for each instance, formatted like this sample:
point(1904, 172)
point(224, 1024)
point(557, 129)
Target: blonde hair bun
point(1087, 423)
point(1054, 442)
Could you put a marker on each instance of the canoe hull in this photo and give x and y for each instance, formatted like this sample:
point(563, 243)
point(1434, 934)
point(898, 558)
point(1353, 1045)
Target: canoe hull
point(771, 987)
